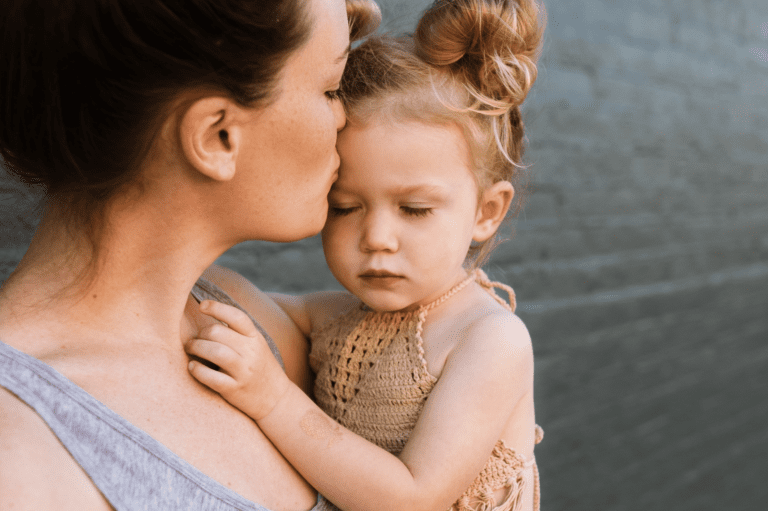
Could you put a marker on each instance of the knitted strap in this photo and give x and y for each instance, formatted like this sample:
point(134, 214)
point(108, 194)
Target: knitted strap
point(455, 289)
point(422, 316)
point(484, 281)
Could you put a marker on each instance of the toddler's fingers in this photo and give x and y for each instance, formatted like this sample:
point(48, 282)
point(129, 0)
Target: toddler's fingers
point(215, 352)
point(243, 345)
point(236, 319)
point(215, 380)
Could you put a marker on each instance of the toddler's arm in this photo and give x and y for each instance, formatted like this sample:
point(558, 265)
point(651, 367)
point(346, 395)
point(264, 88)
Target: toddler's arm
point(314, 309)
point(486, 376)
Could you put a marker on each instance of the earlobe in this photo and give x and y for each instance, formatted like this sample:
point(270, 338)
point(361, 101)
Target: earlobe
point(210, 137)
point(493, 207)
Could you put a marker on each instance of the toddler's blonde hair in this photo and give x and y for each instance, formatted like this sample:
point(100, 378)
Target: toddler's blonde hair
point(470, 63)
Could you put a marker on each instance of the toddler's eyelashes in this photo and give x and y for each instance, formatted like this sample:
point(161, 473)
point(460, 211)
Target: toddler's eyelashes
point(421, 212)
point(335, 211)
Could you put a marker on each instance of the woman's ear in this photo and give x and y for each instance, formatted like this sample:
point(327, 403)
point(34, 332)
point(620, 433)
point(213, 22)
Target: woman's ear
point(210, 137)
point(492, 209)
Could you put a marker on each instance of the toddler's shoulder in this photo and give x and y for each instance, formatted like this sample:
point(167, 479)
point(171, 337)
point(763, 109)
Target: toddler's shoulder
point(499, 327)
point(493, 321)
point(495, 349)
point(498, 340)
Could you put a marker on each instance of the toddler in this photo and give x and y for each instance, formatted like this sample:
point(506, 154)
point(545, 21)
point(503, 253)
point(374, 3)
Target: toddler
point(424, 383)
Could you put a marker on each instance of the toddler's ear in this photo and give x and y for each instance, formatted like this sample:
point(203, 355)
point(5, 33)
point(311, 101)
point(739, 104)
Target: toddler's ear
point(492, 209)
point(210, 137)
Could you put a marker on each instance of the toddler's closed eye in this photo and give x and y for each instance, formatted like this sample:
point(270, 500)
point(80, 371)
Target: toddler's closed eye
point(417, 212)
point(340, 211)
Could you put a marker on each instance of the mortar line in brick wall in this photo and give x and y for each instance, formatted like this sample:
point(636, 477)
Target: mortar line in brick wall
point(693, 443)
point(596, 263)
point(655, 219)
point(741, 273)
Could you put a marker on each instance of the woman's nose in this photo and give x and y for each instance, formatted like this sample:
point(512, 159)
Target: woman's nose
point(378, 234)
point(340, 115)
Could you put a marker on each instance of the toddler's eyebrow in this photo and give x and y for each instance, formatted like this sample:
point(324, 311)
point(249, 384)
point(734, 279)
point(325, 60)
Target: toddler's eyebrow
point(421, 189)
point(426, 190)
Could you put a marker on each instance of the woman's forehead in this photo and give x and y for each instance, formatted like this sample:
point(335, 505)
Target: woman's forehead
point(329, 38)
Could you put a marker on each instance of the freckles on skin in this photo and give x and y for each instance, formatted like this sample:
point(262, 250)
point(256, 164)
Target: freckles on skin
point(316, 425)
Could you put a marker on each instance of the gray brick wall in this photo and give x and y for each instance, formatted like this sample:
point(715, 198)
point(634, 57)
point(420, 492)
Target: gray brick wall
point(640, 260)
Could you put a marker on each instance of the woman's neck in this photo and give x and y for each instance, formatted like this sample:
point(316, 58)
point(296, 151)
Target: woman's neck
point(139, 290)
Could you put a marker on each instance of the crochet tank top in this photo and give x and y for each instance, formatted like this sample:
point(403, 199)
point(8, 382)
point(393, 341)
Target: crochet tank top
point(372, 378)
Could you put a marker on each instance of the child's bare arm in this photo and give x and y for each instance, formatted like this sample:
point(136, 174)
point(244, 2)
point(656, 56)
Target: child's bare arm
point(488, 373)
point(313, 309)
point(483, 382)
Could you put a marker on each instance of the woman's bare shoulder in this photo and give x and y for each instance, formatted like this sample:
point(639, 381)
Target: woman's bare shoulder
point(320, 306)
point(290, 341)
point(37, 472)
point(255, 301)
point(230, 281)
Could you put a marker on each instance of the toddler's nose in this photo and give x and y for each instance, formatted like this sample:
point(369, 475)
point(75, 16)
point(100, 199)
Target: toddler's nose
point(378, 234)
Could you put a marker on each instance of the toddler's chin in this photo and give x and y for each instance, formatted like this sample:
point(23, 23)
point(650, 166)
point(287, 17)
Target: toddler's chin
point(389, 306)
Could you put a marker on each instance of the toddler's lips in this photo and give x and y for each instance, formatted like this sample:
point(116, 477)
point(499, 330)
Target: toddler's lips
point(380, 279)
point(377, 279)
point(379, 274)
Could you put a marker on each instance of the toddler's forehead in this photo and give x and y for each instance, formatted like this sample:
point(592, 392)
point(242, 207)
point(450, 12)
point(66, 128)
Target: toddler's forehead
point(415, 134)
point(403, 150)
point(433, 99)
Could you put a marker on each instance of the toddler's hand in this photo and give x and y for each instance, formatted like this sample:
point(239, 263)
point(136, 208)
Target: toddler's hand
point(249, 376)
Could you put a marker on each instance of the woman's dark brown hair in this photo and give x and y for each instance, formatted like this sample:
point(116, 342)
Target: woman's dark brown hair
point(84, 81)
point(86, 84)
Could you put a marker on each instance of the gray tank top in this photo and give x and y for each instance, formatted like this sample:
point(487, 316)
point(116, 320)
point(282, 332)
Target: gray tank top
point(131, 469)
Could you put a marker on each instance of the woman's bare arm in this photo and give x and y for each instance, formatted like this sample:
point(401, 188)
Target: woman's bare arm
point(312, 310)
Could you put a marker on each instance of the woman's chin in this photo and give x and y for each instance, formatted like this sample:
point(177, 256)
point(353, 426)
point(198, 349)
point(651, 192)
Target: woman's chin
point(290, 235)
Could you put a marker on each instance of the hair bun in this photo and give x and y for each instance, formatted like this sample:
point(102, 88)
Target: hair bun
point(491, 46)
point(364, 18)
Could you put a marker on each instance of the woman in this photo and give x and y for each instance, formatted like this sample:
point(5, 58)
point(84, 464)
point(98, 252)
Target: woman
point(163, 134)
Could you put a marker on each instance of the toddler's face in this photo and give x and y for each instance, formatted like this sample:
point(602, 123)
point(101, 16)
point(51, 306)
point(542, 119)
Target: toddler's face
point(402, 213)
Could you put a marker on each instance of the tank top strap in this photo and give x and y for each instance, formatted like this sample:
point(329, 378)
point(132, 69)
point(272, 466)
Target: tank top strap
point(132, 469)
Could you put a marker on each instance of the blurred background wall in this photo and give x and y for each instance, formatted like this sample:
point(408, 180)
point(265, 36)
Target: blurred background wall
point(640, 261)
